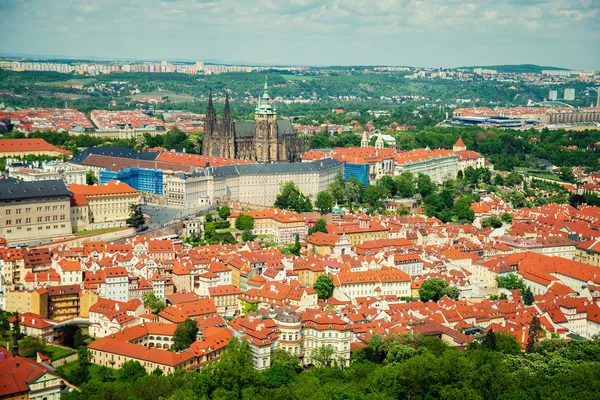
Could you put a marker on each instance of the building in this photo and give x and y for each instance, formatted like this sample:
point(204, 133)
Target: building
point(265, 139)
point(34, 211)
point(122, 131)
point(467, 158)
point(553, 95)
point(53, 170)
point(30, 147)
point(367, 164)
point(251, 184)
point(24, 378)
point(571, 116)
point(142, 179)
point(438, 164)
point(386, 281)
point(282, 225)
point(108, 205)
point(569, 94)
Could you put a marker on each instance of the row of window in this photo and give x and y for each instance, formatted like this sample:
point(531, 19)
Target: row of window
point(38, 209)
point(39, 228)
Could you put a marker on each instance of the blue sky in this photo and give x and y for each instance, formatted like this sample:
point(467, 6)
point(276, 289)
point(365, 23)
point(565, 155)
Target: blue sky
point(446, 33)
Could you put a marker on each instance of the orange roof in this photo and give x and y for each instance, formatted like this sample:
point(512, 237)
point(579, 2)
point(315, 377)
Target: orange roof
point(29, 145)
point(460, 143)
point(111, 188)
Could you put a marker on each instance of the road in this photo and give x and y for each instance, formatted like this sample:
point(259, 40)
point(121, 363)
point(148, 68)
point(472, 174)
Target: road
point(161, 215)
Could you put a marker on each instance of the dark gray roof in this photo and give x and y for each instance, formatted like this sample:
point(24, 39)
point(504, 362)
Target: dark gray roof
point(246, 128)
point(13, 189)
point(275, 168)
point(122, 152)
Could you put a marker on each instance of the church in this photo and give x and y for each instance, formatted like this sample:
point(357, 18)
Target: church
point(263, 140)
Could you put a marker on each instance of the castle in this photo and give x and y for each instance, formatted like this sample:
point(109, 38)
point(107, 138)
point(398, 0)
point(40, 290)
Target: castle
point(263, 140)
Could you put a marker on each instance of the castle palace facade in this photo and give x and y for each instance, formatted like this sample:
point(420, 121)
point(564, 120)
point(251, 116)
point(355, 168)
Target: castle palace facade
point(263, 140)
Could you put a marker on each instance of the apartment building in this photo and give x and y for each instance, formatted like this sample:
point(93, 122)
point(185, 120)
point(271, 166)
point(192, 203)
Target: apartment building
point(34, 211)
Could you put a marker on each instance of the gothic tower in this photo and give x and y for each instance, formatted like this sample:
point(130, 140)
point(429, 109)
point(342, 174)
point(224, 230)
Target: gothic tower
point(210, 129)
point(228, 132)
point(265, 124)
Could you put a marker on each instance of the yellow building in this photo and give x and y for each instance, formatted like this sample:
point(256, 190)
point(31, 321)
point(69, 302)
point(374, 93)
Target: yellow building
point(360, 232)
point(108, 204)
point(24, 301)
point(86, 300)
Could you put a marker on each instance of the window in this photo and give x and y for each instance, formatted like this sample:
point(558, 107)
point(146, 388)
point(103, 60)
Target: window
point(8, 221)
point(27, 220)
point(7, 212)
point(18, 211)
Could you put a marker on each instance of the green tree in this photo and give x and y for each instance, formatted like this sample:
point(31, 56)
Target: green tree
point(336, 188)
point(156, 304)
point(406, 184)
point(388, 184)
point(185, 334)
point(290, 198)
point(247, 235)
point(81, 373)
point(90, 178)
point(534, 334)
point(30, 346)
point(353, 191)
point(507, 343)
point(452, 292)
point(506, 218)
point(136, 216)
point(131, 371)
point(510, 281)
point(463, 210)
point(488, 342)
point(425, 186)
point(283, 369)
point(224, 212)
point(78, 339)
point(319, 226)
point(324, 286)
point(244, 222)
point(432, 289)
point(498, 180)
point(373, 195)
point(528, 298)
point(492, 221)
point(323, 356)
point(296, 247)
point(324, 202)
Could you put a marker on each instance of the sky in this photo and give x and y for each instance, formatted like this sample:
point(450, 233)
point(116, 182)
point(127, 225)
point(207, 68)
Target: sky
point(427, 33)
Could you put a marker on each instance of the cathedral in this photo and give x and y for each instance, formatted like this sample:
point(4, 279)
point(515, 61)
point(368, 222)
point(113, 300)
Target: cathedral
point(263, 140)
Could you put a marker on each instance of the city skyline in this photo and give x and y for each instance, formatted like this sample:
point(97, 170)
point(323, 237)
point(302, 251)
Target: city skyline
point(309, 32)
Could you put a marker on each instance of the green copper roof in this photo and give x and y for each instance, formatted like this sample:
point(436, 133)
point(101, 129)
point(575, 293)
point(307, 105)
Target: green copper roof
point(264, 103)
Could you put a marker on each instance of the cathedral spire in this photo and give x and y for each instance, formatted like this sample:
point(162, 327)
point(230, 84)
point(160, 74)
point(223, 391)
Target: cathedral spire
point(227, 115)
point(264, 102)
point(211, 116)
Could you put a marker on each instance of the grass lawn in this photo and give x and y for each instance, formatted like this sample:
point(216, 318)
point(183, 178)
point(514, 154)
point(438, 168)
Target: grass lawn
point(226, 230)
point(298, 78)
point(56, 353)
point(104, 230)
point(94, 369)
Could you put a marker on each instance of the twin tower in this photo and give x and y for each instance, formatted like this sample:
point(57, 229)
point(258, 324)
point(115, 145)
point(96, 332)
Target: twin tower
point(264, 140)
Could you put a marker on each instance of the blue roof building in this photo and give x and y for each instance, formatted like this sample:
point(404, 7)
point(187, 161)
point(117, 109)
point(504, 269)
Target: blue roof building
point(142, 179)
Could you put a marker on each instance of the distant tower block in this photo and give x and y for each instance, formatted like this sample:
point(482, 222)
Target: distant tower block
point(569, 94)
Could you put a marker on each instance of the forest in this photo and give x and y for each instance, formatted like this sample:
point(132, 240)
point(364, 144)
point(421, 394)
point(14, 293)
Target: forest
point(397, 367)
